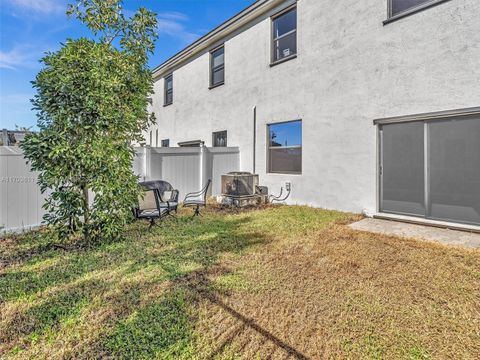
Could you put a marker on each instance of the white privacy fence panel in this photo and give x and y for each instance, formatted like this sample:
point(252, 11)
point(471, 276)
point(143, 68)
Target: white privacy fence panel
point(181, 167)
point(187, 169)
point(223, 160)
point(139, 163)
point(20, 197)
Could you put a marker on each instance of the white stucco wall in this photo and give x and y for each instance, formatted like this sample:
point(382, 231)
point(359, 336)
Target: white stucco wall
point(350, 70)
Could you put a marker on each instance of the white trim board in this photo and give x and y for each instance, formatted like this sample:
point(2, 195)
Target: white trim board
point(428, 222)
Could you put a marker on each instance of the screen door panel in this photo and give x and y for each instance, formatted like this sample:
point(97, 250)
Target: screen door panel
point(454, 168)
point(403, 169)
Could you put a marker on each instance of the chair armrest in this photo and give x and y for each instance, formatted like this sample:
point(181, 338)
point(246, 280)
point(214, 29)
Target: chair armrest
point(174, 196)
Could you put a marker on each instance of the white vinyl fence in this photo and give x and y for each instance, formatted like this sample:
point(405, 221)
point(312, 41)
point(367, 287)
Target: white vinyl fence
point(187, 169)
point(20, 197)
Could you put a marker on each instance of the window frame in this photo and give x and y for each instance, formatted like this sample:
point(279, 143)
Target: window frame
point(269, 148)
point(410, 11)
point(217, 133)
point(273, 39)
point(166, 91)
point(165, 141)
point(212, 68)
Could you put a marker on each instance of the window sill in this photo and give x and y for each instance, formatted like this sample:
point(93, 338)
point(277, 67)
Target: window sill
point(278, 62)
point(284, 173)
point(165, 105)
point(413, 11)
point(215, 86)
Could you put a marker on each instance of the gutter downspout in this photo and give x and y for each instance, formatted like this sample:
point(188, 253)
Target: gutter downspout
point(254, 137)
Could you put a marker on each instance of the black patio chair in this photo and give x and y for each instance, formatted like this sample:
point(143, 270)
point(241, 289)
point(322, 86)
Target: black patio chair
point(159, 201)
point(197, 199)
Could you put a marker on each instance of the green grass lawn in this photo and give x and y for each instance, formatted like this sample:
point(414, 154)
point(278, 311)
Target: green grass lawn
point(271, 283)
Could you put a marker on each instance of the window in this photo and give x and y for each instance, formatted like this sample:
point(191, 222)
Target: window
point(168, 99)
point(156, 138)
point(192, 143)
point(398, 7)
point(285, 147)
point(166, 143)
point(284, 36)
point(217, 67)
point(219, 139)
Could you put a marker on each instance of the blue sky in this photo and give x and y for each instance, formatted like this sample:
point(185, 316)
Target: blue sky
point(29, 28)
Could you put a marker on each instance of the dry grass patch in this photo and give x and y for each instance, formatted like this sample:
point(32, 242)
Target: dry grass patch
point(277, 282)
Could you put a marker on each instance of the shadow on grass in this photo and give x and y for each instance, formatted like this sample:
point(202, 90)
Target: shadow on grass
point(164, 328)
point(160, 329)
point(199, 286)
point(44, 315)
point(157, 327)
point(199, 241)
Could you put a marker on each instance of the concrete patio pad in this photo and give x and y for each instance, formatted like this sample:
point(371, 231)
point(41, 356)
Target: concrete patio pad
point(421, 232)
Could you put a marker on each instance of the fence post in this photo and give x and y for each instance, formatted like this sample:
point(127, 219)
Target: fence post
point(147, 165)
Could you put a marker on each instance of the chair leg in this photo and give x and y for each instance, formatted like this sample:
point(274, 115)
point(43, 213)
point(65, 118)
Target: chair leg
point(172, 215)
point(197, 211)
point(152, 223)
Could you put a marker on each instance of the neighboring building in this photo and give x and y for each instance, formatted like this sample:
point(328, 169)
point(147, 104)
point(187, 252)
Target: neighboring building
point(12, 137)
point(297, 85)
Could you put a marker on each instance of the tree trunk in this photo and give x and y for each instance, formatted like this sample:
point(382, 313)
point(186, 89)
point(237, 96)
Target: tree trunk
point(86, 214)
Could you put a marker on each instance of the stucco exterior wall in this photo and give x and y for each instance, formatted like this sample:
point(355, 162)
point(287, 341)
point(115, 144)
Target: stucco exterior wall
point(350, 70)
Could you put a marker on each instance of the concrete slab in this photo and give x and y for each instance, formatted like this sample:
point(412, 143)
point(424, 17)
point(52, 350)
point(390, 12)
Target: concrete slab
point(421, 232)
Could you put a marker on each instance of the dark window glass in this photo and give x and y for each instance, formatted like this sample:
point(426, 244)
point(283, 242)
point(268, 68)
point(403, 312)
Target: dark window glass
point(454, 168)
point(285, 147)
point(169, 90)
point(220, 139)
point(284, 160)
point(285, 23)
point(217, 67)
point(403, 168)
point(285, 35)
point(399, 6)
point(166, 143)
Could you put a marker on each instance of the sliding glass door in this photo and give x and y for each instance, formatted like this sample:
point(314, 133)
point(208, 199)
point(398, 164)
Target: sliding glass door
point(431, 169)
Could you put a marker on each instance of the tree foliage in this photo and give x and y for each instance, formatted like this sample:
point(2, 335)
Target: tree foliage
point(92, 98)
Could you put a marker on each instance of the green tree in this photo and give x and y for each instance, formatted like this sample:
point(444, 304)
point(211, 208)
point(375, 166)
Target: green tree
point(92, 98)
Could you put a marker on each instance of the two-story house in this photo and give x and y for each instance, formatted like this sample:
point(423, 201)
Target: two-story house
point(369, 105)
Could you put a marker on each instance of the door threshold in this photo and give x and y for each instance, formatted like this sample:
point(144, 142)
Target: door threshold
point(428, 222)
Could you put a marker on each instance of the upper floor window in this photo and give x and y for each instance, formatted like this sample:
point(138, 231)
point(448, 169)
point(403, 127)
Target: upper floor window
point(285, 147)
point(219, 139)
point(284, 37)
point(168, 98)
point(166, 143)
point(217, 67)
point(398, 7)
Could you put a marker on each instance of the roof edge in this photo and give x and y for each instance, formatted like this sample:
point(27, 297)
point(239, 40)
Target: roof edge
point(249, 13)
